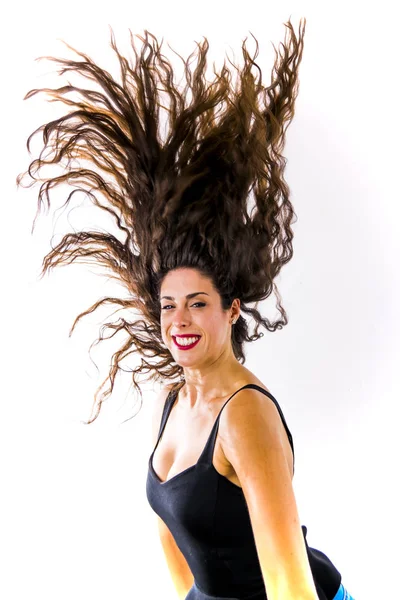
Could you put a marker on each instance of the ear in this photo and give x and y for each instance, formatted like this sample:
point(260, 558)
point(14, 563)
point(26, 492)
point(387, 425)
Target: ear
point(235, 309)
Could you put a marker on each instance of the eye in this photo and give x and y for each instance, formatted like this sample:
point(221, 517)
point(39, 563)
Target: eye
point(201, 304)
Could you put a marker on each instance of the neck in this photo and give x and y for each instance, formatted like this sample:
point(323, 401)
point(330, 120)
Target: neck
point(205, 385)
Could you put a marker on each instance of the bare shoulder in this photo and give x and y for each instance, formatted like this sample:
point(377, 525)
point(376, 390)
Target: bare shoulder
point(249, 408)
point(252, 419)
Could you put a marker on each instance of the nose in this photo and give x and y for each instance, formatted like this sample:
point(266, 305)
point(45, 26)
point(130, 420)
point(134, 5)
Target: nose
point(181, 318)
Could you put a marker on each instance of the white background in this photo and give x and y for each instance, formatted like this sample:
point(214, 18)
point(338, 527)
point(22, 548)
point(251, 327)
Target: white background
point(75, 522)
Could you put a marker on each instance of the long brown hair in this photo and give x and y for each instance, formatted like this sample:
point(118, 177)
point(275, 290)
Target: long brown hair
point(182, 202)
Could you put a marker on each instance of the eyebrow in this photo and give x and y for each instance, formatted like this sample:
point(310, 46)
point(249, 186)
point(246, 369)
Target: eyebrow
point(188, 296)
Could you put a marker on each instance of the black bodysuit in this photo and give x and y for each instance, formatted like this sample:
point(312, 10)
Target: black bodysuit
point(208, 517)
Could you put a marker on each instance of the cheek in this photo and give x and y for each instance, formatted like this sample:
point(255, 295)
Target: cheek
point(216, 325)
point(163, 326)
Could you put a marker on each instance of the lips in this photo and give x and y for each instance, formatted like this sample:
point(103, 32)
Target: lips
point(189, 346)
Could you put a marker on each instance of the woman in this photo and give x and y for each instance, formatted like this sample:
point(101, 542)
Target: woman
point(194, 256)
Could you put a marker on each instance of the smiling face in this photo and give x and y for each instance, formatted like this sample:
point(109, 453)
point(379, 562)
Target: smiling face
point(190, 305)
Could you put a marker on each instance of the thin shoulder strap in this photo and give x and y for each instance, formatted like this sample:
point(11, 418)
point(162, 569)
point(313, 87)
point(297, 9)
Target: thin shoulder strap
point(170, 399)
point(208, 451)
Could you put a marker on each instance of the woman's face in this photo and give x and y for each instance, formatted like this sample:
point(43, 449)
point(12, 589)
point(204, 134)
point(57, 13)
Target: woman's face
point(187, 311)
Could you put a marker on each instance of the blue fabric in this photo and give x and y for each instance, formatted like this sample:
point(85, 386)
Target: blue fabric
point(343, 594)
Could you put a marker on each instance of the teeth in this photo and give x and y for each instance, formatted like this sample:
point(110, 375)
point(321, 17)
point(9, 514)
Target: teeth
point(186, 341)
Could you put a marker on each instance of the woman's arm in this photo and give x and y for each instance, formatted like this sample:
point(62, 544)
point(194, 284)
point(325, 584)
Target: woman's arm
point(181, 574)
point(252, 435)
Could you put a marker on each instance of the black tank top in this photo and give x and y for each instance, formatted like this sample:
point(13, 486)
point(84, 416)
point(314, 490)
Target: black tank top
point(208, 517)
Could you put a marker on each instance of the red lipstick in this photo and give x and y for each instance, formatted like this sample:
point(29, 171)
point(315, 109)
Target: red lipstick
point(188, 347)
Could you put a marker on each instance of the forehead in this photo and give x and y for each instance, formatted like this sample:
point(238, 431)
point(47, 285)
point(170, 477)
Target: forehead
point(185, 281)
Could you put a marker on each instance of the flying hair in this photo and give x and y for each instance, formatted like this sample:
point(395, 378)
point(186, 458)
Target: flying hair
point(182, 201)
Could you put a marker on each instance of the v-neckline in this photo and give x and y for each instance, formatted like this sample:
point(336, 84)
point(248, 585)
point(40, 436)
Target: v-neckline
point(174, 476)
point(167, 411)
point(192, 467)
